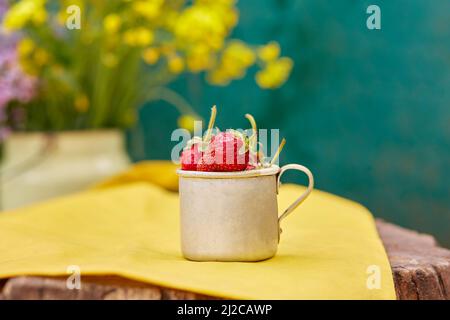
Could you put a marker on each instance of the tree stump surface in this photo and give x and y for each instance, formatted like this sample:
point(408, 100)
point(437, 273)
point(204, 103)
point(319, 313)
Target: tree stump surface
point(420, 267)
point(421, 271)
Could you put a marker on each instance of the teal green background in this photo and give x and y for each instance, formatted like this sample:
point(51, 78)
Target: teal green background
point(367, 110)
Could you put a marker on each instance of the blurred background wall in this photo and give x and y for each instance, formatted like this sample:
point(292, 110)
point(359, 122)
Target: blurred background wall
point(367, 110)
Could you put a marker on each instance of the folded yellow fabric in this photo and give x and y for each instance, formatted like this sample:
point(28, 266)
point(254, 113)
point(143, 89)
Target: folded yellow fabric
point(132, 230)
point(159, 172)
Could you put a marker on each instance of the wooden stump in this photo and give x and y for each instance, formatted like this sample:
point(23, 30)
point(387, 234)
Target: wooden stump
point(421, 270)
point(92, 288)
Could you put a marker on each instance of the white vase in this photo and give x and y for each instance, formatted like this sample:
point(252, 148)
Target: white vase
point(38, 167)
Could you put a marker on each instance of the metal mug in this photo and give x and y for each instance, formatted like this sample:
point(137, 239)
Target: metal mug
point(233, 216)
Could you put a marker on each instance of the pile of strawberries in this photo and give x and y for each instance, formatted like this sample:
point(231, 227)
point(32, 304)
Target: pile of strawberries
point(226, 151)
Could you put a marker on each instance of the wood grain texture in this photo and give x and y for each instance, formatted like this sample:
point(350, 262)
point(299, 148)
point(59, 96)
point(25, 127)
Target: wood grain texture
point(92, 288)
point(421, 270)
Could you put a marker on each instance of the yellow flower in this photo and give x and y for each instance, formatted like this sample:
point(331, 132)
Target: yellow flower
point(144, 36)
point(225, 8)
point(23, 12)
point(31, 58)
point(175, 64)
point(269, 52)
point(186, 121)
point(201, 24)
point(235, 60)
point(274, 74)
point(199, 59)
point(25, 47)
point(231, 17)
point(151, 55)
point(148, 9)
point(138, 37)
point(81, 103)
point(238, 54)
point(112, 23)
point(39, 17)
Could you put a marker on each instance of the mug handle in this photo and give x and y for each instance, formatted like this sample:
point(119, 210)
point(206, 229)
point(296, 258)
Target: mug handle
point(305, 194)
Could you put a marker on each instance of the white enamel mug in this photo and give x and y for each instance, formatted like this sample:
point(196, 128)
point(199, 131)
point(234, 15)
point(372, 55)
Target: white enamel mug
point(233, 216)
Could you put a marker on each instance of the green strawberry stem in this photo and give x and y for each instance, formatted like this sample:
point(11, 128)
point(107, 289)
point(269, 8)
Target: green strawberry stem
point(212, 119)
point(277, 154)
point(254, 138)
point(252, 121)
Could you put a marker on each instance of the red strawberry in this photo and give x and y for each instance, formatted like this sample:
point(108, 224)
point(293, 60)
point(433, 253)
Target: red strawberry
point(227, 151)
point(191, 155)
point(207, 162)
point(193, 152)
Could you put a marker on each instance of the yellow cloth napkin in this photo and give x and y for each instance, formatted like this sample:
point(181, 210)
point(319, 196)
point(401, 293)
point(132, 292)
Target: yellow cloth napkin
point(131, 229)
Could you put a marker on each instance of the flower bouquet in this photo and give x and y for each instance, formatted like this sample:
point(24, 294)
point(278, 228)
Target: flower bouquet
point(87, 66)
point(97, 61)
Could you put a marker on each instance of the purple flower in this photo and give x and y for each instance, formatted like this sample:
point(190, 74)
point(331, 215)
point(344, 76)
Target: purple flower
point(15, 85)
point(3, 7)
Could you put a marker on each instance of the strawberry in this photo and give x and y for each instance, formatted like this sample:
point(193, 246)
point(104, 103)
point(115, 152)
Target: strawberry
point(190, 158)
point(207, 162)
point(193, 151)
point(227, 151)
